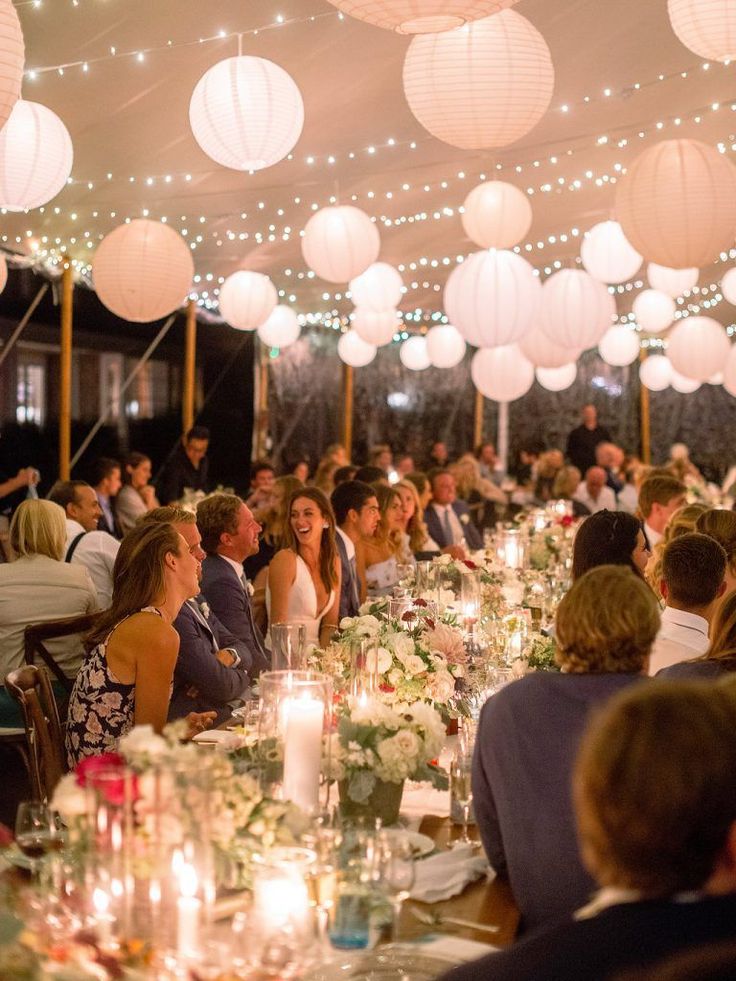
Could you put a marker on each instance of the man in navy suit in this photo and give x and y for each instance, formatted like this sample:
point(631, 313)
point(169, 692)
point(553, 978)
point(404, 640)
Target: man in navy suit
point(448, 520)
point(356, 515)
point(229, 535)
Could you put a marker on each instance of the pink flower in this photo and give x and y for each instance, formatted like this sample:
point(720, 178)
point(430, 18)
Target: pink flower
point(105, 773)
point(448, 642)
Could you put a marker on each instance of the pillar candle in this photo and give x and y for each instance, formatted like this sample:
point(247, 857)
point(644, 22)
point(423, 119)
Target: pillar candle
point(302, 721)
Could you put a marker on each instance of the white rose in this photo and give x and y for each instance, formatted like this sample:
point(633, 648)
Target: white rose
point(414, 664)
point(142, 740)
point(440, 686)
point(69, 798)
point(444, 559)
point(381, 657)
point(401, 643)
point(367, 626)
point(347, 622)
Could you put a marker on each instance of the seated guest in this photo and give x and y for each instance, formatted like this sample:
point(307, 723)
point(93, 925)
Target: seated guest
point(211, 673)
point(229, 535)
point(381, 456)
point(414, 530)
point(682, 521)
point(438, 456)
point(126, 677)
point(387, 546)
point(356, 516)
point(593, 492)
point(564, 488)
point(38, 587)
point(106, 482)
point(681, 466)
point(85, 545)
point(187, 468)
point(370, 475)
point(660, 495)
point(656, 809)
point(262, 476)
point(489, 464)
point(609, 538)
point(404, 465)
point(693, 567)
point(136, 497)
point(343, 474)
point(529, 733)
point(273, 519)
point(548, 466)
point(448, 520)
point(721, 527)
point(481, 495)
point(720, 658)
point(300, 470)
point(324, 476)
point(611, 458)
point(628, 496)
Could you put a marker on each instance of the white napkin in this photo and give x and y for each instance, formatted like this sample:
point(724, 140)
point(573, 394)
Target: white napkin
point(447, 874)
point(220, 737)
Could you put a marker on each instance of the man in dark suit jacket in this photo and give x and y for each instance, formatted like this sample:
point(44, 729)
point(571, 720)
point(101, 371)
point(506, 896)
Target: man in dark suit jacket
point(448, 520)
point(187, 468)
point(229, 535)
point(105, 479)
point(356, 515)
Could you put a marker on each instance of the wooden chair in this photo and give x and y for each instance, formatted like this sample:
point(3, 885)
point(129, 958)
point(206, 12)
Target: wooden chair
point(36, 633)
point(31, 688)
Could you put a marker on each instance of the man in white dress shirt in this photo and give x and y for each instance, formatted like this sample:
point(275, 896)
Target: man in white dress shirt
point(659, 497)
point(593, 493)
point(356, 516)
point(693, 567)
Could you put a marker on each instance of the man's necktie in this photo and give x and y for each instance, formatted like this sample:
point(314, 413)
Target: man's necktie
point(447, 526)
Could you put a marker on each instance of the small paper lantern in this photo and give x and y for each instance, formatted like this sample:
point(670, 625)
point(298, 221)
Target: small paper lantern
point(502, 373)
point(655, 372)
point(677, 203)
point(419, 16)
point(12, 57)
point(142, 270)
point(496, 215)
point(247, 299)
point(728, 285)
point(541, 350)
point(378, 288)
point(3, 273)
point(673, 282)
point(706, 27)
point(619, 346)
point(281, 329)
point(376, 328)
point(339, 243)
point(246, 113)
point(577, 310)
point(414, 354)
point(354, 351)
point(445, 346)
point(492, 298)
point(654, 311)
point(557, 379)
point(484, 85)
point(729, 373)
point(36, 157)
point(683, 385)
point(698, 347)
point(608, 255)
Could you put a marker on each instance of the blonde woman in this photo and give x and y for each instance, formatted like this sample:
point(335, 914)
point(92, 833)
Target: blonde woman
point(415, 530)
point(721, 526)
point(682, 522)
point(383, 552)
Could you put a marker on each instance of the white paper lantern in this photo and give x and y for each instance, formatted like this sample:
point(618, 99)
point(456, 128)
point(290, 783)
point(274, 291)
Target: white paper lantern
point(445, 346)
point(3, 273)
point(608, 255)
point(502, 373)
point(247, 299)
point(706, 27)
point(420, 16)
point(577, 310)
point(142, 270)
point(354, 351)
point(728, 285)
point(557, 379)
point(619, 346)
point(378, 288)
point(698, 347)
point(729, 372)
point(655, 372)
point(673, 282)
point(376, 328)
point(677, 203)
point(246, 113)
point(12, 56)
point(654, 311)
point(496, 215)
point(683, 385)
point(281, 329)
point(541, 350)
point(484, 85)
point(339, 243)
point(36, 157)
point(414, 355)
point(492, 298)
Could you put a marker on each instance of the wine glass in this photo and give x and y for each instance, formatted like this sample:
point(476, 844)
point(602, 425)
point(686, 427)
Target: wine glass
point(462, 789)
point(36, 832)
point(396, 865)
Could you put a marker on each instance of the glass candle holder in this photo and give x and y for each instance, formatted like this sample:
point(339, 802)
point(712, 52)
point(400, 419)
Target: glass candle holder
point(281, 915)
point(363, 669)
point(470, 597)
point(511, 548)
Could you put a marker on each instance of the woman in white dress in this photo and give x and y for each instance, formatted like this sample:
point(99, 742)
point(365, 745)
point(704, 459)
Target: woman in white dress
point(304, 577)
point(386, 549)
point(136, 497)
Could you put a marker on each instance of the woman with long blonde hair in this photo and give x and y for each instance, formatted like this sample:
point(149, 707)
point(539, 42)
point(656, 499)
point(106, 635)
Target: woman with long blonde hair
point(383, 551)
point(415, 529)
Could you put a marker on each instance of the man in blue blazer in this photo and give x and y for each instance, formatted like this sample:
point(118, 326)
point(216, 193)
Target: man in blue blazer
point(356, 516)
point(448, 520)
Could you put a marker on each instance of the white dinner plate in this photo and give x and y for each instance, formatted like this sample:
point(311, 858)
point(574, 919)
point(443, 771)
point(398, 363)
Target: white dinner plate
point(392, 963)
point(421, 845)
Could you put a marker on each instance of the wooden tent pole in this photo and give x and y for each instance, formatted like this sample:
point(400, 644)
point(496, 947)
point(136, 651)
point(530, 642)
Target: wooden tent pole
point(478, 420)
point(644, 417)
point(262, 419)
point(65, 372)
point(190, 362)
point(348, 377)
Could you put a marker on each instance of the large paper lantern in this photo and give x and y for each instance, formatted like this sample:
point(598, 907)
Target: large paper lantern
point(484, 85)
point(673, 282)
point(698, 347)
point(376, 328)
point(502, 373)
point(378, 288)
point(496, 215)
point(247, 299)
point(281, 329)
point(3, 273)
point(619, 346)
point(728, 285)
point(445, 346)
point(729, 372)
point(339, 243)
point(12, 55)
point(608, 255)
point(246, 113)
point(557, 379)
point(492, 298)
point(654, 310)
point(683, 385)
point(414, 354)
point(706, 27)
point(655, 372)
point(577, 310)
point(142, 270)
point(420, 16)
point(541, 350)
point(677, 203)
point(354, 351)
point(36, 157)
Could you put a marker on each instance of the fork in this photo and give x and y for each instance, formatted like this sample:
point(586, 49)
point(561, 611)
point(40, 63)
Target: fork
point(437, 919)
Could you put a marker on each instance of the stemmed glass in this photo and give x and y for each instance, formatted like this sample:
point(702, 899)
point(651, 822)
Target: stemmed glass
point(462, 789)
point(396, 867)
point(37, 832)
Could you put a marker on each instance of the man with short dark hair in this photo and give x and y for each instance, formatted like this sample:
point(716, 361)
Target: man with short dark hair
point(660, 495)
point(356, 516)
point(693, 571)
point(582, 441)
point(187, 468)
point(105, 478)
point(448, 520)
point(262, 476)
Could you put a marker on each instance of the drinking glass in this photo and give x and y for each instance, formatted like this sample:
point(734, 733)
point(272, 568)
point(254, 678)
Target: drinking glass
point(462, 790)
point(288, 641)
point(37, 832)
point(405, 573)
point(396, 866)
